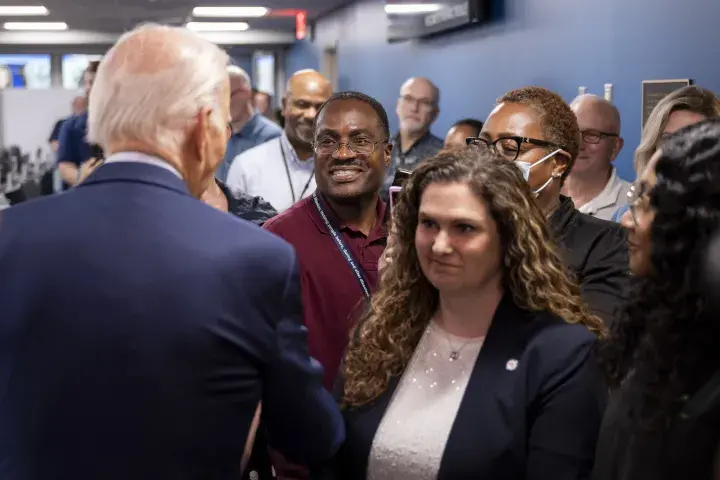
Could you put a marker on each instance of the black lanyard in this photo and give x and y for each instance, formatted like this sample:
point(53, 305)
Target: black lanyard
point(289, 177)
point(342, 247)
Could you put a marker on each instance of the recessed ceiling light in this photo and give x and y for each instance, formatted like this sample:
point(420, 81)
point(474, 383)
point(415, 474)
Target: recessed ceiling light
point(411, 8)
point(35, 26)
point(217, 26)
point(240, 12)
point(23, 10)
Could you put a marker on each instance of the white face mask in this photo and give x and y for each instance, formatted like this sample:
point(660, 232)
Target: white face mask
point(525, 168)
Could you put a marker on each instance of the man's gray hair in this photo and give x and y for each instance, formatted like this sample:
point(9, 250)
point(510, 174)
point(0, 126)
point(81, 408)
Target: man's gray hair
point(151, 85)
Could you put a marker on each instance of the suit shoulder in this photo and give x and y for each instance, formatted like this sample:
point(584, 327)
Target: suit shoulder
point(557, 339)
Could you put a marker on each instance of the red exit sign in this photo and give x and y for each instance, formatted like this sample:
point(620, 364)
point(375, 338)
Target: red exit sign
point(301, 25)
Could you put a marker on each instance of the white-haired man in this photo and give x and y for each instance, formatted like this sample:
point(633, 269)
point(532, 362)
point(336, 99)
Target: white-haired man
point(142, 329)
point(249, 128)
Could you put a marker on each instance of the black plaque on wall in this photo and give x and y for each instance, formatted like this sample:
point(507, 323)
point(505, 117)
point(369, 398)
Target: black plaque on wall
point(655, 90)
point(451, 15)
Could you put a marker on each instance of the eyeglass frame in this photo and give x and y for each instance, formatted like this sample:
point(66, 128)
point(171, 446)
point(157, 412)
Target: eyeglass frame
point(597, 133)
point(419, 102)
point(315, 147)
point(635, 195)
point(471, 141)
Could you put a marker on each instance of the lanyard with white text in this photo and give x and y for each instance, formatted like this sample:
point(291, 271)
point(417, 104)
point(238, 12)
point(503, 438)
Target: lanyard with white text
point(289, 177)
point(342, 247)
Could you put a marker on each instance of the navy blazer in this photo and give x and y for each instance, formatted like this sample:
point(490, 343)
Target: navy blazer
point(139, 329)
point(539, 421)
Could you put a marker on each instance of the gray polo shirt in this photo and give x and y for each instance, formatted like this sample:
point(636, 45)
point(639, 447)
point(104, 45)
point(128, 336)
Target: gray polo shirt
point(428, 146)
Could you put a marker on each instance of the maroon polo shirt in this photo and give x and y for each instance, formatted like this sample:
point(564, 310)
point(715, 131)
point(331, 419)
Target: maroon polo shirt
point(332, 296)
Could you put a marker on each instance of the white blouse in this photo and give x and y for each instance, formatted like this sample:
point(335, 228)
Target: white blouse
point(411, 437)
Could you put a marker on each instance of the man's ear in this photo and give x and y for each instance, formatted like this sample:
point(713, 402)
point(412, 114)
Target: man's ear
point(388, 153)
point(619, 143)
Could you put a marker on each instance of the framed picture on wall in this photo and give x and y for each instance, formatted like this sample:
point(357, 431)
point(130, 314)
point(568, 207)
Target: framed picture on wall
point(655, 90)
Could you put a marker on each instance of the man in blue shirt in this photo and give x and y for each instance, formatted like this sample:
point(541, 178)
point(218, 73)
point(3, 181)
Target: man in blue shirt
point(248, 127)
point(73, 148)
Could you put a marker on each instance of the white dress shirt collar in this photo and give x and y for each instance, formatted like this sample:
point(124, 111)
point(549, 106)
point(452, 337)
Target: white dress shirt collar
point(139, 157)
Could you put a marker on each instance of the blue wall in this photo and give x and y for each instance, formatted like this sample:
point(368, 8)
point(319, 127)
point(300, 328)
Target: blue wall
point(558, 44)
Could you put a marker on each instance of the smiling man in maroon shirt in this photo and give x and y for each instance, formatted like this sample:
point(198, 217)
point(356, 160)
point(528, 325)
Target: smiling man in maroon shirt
point(339, 233)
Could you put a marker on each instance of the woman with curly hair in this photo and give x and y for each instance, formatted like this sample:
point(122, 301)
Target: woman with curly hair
point(472, 361)
point(665, 349)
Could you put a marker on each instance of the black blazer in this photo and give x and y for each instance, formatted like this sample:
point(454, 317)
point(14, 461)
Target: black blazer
point(596, 251)
point(539, 421)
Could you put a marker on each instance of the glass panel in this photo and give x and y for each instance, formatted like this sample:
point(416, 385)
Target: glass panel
point(264, 72)
point(25, 71)
point(73, 67)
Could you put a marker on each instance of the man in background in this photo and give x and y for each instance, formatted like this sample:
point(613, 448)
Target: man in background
point(282, 171)
point(178, 320)
point(465, 128)
point(593, 184)
point(417, 109)
point(262, 102)
point(47, 183)
point(248, 127)
point(73, 148)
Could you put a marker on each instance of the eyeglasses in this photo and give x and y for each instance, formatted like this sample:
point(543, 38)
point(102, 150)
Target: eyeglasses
point(595, 136)
point(638, 200)
point(507, 147)
point(358, 145)
point(420, 102)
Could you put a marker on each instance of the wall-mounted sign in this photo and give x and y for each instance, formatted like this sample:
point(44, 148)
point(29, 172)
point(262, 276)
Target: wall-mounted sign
point(445, 15)
point(655, 90)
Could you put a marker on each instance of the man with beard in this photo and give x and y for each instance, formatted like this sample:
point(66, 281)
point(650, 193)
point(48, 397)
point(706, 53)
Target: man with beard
point(282, 171)
point(417, 109)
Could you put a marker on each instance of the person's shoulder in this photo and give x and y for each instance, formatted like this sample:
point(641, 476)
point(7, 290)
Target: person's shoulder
point(286, 223)
point(253, 209)
point(597, 227)
point(258, 153)
point(77, 121)
point(435, 140)
point(268, 128)
point(555, 340)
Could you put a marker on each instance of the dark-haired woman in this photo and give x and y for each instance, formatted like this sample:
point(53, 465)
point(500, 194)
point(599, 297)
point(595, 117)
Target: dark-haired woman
point(473, 360)
point(658, 426)
point(537, 130)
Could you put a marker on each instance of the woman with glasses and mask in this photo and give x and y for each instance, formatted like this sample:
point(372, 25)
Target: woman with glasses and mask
point(473, 359)
point(537, 131)
point(663, 420)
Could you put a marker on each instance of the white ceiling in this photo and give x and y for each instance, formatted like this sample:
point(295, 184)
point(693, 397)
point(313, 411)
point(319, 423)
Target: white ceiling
point(99, 21)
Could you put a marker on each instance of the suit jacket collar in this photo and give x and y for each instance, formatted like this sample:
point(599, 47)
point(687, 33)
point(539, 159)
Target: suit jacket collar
point(136, 172)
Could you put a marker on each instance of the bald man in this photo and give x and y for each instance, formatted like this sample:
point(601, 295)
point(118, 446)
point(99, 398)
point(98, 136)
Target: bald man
point(282, 171)
point(249, 128)
point(593, 184)
point(417, 109)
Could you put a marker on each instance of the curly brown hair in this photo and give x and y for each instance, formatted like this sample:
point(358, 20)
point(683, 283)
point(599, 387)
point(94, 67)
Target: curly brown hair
point(534, 274)
point(558, 121)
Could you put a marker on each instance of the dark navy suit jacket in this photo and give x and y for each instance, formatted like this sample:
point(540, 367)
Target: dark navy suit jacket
point(139, 329)
point(535, 420)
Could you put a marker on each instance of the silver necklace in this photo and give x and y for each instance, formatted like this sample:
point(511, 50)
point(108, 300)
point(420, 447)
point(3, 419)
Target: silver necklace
point(454, 352)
